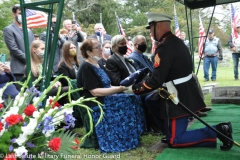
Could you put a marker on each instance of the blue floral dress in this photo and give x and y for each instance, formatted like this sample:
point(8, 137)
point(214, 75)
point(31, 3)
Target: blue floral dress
point(123, 121)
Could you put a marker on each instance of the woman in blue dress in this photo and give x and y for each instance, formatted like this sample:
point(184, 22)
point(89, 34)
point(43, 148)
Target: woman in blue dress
point(123, 121)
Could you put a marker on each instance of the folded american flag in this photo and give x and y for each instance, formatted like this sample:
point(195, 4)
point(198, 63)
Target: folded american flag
point(135, 77)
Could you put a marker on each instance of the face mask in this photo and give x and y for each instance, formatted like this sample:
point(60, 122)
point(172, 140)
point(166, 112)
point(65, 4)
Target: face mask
point(107, 52)
point(142, 47)
point(98, 33)
point(96, 58)
point(72, 52)
point(40, 55)
point(19, 19)
point(122, 50)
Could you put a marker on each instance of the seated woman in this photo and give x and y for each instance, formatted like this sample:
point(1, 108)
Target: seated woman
point(37, 55)
point(6, 76)
point(69, 63)
point(123, 121)
point(68, 66)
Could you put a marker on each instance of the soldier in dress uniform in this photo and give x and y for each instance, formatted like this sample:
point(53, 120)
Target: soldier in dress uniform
point(173, 66)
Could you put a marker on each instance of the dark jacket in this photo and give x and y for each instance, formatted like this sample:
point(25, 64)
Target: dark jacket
point(11, 89)
point(13, 37)
point(172, 63)
point(86, 75)
point(66, 71)
point(116, 69)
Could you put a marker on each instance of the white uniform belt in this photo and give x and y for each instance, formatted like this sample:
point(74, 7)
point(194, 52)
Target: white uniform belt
point(180, 80)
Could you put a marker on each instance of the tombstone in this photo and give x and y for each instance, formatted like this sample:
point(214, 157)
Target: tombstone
point(225, 95)
point(207, 88)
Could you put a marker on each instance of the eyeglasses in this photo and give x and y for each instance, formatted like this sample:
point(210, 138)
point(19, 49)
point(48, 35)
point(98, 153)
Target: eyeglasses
point(98, 47)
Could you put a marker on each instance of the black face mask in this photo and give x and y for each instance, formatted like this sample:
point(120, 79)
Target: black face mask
point(142, 47)
point(122, 49)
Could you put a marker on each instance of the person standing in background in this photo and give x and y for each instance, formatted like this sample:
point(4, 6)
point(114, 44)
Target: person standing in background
point(13, 37)
point(213, 46)
point(235, 46)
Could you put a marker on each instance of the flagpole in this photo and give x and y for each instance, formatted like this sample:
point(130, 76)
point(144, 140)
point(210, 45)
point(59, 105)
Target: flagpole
point(117, 23)
point(100, 17)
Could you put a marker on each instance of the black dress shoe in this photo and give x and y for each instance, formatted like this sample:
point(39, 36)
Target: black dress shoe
point(226, 129)
point(164, 140)
point(206, 109)
point(201, 114)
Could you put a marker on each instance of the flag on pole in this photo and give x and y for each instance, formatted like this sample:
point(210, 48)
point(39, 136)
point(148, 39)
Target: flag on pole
point(202, 37)
point(121, 31)
point(36, 19)
point(234, 20)
point(74, 19)
point(177, 30)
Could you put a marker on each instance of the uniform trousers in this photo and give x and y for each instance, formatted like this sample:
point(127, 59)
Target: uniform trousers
point(176, 129)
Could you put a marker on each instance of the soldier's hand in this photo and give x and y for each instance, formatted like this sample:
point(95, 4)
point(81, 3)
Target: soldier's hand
point(220, 58)
point(234, 49)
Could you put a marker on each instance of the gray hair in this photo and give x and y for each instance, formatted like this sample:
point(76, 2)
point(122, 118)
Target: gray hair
point(137, 37)
point(115, 41)
point(98, 24)
point(66, 21)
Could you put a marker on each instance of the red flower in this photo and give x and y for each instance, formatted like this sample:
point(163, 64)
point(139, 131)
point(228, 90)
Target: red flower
point(1, 126)
point(29, 110)
point(74, 147)
point(10, 156)
point(14, 119)
point(55, 144)
point(1, 105)
point(56, 104)
point(77, 141)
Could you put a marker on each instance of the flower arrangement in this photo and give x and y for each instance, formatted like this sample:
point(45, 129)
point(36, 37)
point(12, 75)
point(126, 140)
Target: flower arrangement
point(29, 131)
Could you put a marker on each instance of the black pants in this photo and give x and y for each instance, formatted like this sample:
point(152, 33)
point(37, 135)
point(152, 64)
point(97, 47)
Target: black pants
point(18, 78)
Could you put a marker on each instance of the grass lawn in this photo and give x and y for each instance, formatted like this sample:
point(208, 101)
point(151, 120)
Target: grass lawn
point(225, 77)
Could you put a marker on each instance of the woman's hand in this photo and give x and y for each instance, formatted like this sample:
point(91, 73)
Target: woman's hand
point(5, 68)
point(57, 84)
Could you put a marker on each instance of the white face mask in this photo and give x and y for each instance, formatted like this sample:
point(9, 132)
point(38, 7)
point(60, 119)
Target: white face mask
point(41, 55)
point(107, 51)
point(96, 58)
point(19, 19)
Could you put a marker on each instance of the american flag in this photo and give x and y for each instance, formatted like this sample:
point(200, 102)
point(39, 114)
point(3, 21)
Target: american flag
point(177, 30)
point(202, 37)
point(235, 20)
point(121, 31)
point(36, 19)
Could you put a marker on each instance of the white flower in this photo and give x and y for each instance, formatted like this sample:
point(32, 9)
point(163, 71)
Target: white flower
point(21, 139)
point(2, 131)
point(36, 114)
point(50, 97)
point(20, 151)
point(12, 110)
point(48, 133)
point(29, 129)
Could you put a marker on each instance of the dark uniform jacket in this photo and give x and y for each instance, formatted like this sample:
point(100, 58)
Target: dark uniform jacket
point(172, 63)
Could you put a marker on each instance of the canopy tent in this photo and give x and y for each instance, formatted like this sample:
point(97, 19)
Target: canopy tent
point(196, 4)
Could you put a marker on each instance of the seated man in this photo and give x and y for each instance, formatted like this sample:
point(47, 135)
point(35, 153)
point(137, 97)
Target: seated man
point(140, 60)
point(6, 76)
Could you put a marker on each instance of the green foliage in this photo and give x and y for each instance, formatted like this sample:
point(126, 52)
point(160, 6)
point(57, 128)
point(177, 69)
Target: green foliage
point(67, 141)
point(13, 132)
